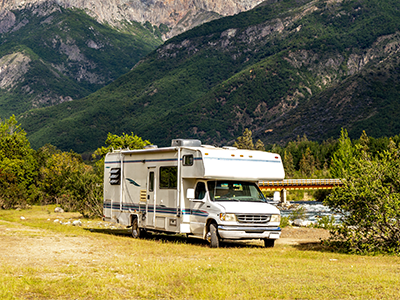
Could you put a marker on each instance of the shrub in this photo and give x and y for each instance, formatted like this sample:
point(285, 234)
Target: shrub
point(75, 186)
point(284, 222)
point(369, 202)
point(298, 213)
point(326, 222)
point(17, 166)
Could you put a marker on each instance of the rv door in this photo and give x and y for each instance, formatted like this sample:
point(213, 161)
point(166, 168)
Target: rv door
point(198, 209)
point(151, 197)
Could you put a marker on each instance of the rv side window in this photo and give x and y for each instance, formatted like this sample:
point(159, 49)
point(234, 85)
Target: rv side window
point(187, 160)
point(200, 191)
point(168, 177)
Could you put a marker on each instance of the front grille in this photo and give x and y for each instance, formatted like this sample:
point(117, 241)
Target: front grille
point(260, 219)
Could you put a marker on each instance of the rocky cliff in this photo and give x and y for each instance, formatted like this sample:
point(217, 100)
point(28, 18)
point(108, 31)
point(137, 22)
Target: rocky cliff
point(50, 54)
point(177, 15)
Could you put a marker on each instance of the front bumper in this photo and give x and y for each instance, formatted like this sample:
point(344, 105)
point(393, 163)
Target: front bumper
point(247, 232)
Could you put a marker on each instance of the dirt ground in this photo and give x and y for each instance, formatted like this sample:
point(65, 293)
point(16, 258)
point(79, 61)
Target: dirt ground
point(19, 244)
point(301, 235)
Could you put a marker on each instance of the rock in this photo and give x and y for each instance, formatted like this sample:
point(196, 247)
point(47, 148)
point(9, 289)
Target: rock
point(58, 210)
point(77, 223)
point(308, 223)
point(302, 223)
point(298, 222)
point(56, 221)
point(22, 218)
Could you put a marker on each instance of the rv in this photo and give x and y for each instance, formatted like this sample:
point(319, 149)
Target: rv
point(193, 189)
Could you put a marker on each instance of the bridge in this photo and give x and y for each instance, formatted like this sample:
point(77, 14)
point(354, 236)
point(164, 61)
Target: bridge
point(298, 184)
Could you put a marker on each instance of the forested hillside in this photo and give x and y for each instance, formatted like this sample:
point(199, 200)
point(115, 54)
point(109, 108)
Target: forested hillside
point(284, 69)
point(50, 54)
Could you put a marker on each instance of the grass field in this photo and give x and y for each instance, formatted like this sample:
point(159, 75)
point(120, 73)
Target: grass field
point(43, 259)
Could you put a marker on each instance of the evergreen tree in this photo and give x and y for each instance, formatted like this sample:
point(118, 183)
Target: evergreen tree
point(307, 163)
point(288, 164)
point(245, 141)
point(260, 146)
point(343, 156)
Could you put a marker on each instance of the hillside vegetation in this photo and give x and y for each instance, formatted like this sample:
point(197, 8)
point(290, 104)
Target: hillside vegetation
point(50, 54)
point(284, 69)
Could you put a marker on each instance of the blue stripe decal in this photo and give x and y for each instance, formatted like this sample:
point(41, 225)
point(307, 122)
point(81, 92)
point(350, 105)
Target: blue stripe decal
point(159, 209)
point(244, 159)
point(186, 211)
point(195, 158)
point(199, 213)
point(141, 161)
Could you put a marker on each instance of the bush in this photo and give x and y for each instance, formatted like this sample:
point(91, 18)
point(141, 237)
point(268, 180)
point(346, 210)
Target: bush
point(298, 213)
point(17, 166)
point(284, 222)
point(369, 202)
point(326, 222)
point(67, 181)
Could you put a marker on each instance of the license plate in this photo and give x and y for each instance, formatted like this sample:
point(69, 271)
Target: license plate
point(274, 235)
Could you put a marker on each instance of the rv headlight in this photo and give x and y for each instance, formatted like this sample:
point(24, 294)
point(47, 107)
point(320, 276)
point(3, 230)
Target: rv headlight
point(275, 218)
point(227, 217)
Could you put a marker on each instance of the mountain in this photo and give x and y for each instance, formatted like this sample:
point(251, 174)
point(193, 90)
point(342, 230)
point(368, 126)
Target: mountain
point(54, 51)
point(283, 69)
point(167, 17)
point(50, 54)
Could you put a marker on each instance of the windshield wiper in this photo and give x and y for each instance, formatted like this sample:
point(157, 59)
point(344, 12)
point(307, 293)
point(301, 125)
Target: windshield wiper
point(228, 199)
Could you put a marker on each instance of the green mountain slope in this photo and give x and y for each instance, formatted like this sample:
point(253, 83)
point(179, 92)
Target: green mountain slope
point(284, 69)
point(49, 55)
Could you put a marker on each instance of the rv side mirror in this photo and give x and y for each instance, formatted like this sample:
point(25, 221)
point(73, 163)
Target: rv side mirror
point(190, 194)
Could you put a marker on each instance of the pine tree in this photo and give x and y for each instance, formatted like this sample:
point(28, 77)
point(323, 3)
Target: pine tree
point(343, 156)
point(245, 141)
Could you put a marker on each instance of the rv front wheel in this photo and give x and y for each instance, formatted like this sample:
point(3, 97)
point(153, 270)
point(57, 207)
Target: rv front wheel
point(269, 243)
point(135, 229)
point(212, 236)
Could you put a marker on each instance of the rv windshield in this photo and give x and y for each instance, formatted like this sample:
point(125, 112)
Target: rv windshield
point(234, 191)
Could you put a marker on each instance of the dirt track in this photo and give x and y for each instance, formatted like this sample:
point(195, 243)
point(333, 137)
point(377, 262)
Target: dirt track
point(300, 235)
point(19, 244)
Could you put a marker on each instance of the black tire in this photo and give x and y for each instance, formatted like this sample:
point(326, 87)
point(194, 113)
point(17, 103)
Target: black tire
point(269, 243)
point(136, 232)
point(212, 236)
point(143, 232)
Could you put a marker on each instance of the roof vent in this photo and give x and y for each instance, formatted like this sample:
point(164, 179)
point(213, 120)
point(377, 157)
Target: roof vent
point(185, 143)
point(229, 148)
point(150, 147)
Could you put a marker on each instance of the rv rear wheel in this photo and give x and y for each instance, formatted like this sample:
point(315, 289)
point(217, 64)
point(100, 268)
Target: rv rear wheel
point(212, 236)
point(136, 232)
point(269, 243)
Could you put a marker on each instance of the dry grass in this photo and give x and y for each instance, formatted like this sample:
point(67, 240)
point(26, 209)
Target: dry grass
point(41, 259)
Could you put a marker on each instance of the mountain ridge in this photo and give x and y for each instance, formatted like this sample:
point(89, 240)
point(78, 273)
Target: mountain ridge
point(177, 15)
point(283, 69)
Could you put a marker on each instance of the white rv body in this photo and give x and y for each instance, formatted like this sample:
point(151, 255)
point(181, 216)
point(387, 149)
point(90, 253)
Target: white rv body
point(156, 189)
